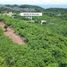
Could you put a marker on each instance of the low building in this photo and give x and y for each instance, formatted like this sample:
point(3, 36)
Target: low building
point(8, 13)
point(43, 22)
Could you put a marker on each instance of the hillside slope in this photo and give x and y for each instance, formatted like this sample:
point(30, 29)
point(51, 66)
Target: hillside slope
point(46, 44)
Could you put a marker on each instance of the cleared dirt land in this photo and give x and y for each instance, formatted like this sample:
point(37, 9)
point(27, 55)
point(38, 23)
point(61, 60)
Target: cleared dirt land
point(9, 32)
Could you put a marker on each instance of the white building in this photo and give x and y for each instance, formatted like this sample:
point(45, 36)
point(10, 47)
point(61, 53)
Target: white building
point(29, 15)
point(43, 22)
point(8, 14)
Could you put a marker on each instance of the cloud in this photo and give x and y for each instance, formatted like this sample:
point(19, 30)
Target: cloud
point(33, 2)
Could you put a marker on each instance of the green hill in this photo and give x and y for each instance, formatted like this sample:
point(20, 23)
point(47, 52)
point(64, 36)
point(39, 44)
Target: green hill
point(46, 45)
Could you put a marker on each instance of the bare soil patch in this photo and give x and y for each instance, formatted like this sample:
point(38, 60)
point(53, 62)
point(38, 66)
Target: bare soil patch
point(9, 32)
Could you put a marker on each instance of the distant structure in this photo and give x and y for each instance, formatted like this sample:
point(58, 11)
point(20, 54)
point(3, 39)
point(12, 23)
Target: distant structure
point(8, 14)
point(43, 22)
point(30, 14)
point(59, 14)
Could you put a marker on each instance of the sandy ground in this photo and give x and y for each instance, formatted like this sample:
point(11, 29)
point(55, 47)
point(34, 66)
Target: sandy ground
point(11, 34)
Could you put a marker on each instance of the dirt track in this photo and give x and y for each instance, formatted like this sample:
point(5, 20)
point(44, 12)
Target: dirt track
point(11, 34)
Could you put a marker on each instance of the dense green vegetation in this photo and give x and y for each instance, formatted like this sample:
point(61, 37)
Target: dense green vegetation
point(46, 45)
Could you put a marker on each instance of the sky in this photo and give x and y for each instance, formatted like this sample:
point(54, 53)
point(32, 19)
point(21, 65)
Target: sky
point(33, 2)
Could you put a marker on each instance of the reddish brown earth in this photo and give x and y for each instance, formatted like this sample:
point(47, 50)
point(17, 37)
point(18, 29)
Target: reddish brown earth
point(11, 34)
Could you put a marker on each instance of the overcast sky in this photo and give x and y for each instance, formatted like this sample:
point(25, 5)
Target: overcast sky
point(35, 2)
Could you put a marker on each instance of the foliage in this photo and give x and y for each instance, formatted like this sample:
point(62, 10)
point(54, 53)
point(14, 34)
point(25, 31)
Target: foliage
point(46, 46)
